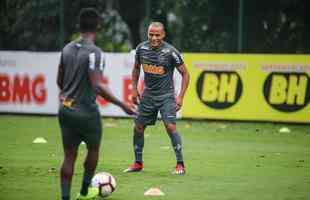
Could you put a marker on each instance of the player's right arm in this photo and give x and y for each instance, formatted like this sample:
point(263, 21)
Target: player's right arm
point(135, 78)
point(95, 71)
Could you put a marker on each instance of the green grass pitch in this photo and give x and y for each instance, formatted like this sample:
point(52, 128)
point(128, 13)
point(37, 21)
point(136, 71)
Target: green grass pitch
point(224, 160)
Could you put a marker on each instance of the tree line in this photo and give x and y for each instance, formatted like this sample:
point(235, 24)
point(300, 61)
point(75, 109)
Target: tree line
point(280, 26)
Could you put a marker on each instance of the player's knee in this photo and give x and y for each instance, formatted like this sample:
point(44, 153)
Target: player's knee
point(66, 171)
point(171, 128)
point(139, 129)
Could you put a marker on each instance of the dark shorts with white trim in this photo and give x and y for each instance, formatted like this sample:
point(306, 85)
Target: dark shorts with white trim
point(149, 107)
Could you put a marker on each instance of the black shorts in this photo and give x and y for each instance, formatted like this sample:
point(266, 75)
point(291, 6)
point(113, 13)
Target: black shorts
point(79, 125)
point(150, 106)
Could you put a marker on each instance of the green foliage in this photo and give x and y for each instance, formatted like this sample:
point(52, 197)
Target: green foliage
point(208, 26)
point(276, 27)
point(29, 25)
point(34, 25)
point(211, 26)
point(281, 26)
point(200, 26)
point(113, 35)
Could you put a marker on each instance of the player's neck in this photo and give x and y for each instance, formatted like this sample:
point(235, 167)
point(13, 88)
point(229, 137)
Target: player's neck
point(88, 36)
point(157, 47)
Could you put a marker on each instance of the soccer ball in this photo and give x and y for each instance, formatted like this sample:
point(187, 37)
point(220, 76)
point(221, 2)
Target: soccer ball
point(105, 182)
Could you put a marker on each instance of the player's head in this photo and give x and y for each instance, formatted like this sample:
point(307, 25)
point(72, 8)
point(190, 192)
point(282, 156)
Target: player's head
point(88, 20)
point(156, 34)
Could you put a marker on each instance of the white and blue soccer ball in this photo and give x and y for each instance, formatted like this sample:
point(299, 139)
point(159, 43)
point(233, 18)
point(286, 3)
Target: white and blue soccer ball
point(105, 183)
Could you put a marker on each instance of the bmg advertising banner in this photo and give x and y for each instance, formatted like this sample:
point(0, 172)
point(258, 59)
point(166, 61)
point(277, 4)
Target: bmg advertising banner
point(28, 82)
point(248, 87)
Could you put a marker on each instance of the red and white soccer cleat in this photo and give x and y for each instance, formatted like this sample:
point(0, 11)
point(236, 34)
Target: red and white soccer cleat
point(135, 167)
point(179, 169)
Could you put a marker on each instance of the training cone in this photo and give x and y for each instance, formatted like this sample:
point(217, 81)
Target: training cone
point(154, 192)
point(39, 140)
point(284, 130)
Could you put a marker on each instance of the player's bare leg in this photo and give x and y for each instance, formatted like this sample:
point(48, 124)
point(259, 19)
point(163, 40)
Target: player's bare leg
point(90, 165)
point(66, 171)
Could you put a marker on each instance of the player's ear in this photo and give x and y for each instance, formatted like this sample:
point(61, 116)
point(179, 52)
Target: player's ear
point(164, 34)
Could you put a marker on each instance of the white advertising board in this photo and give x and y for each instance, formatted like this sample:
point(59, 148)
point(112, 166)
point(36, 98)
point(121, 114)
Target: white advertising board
point(28, 82)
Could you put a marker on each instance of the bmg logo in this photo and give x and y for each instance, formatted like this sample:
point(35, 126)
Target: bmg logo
point(219, 89)
point(287, 92)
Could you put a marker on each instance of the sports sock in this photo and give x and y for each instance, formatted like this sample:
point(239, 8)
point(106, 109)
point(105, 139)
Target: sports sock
point(65, 191)
point(181, 163)
point(177, 146)
point(138, 143)
point(86, 182)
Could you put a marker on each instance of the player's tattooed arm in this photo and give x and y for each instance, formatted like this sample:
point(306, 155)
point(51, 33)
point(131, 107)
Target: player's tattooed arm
point(184, 85)
point(135, 79)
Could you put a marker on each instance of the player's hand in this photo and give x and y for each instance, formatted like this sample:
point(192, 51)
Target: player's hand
point(179, 103)
point(135, 96)
point(129, 109)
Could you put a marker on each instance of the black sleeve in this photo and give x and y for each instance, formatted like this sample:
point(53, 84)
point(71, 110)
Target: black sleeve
point(177, 59)
point(137, 55)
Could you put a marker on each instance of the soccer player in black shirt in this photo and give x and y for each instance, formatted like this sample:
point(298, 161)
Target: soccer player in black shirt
point(79, 80)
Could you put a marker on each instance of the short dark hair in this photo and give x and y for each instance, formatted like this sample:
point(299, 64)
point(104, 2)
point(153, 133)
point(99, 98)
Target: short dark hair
point(88, 20)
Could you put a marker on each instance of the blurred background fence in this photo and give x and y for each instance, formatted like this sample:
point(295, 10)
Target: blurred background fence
point(221, 26)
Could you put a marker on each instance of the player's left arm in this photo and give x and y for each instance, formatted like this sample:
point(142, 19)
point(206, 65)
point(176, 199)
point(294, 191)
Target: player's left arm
point(60, 75)
point(184, 85)
point(178, 62)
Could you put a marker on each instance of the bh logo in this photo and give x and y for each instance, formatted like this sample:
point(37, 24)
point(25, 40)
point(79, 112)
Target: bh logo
point(287, 92)
point(219, 89)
